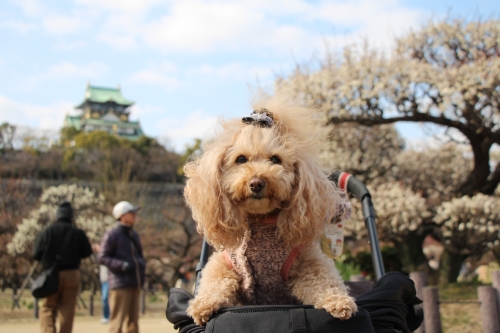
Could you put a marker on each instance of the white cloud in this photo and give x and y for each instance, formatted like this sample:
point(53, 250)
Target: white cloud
point(68, 69)
point(71, 45)
point(139, 111)
point(197, 124)
point(46, 117)
point(118, 41)
point(258, 27)
point(379, 22)
point(170, 77)
point(243, 72)
point(30, 7)
point(63, 24)
point(148, 76)
point(197, 26)
point(19, 26)
point(121, 28)
point(168, 67)
point(131, 6)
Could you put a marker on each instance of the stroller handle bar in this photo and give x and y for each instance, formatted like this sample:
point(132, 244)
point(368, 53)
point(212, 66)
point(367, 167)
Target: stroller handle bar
point(350, 184)
point(346, 182)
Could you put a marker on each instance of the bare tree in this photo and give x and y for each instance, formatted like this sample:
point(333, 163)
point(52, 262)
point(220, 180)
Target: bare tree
point(7, 133)
point(16, 199)
point(172, 251)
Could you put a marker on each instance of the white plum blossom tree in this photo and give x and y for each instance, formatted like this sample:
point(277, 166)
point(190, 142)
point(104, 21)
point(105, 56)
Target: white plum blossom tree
point(447, 74)
point(470, 226)
point(369, 153)
point(89, 210)
point(435, 172)
point(399, 212)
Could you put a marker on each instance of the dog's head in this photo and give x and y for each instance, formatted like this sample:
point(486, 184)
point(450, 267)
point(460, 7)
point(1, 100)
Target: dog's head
point(264, 164)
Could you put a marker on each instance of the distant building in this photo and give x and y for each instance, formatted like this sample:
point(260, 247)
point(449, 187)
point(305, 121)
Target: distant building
point(105, 109)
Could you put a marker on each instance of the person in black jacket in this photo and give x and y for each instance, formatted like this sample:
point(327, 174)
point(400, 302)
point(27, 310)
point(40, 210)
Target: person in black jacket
point(67, 244)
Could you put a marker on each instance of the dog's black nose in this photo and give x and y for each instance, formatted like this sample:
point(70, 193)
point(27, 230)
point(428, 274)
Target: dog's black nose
point(257, 185)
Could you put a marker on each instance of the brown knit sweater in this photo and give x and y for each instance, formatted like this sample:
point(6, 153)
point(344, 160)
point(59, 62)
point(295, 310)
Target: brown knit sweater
point(263, 261)
point(259, 260)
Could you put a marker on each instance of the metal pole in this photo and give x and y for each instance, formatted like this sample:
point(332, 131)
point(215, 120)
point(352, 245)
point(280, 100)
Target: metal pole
point(35, 308)
point(205, 248)
point(23, 286)
point(369, 214)
point(91, 305)
point(143, 298)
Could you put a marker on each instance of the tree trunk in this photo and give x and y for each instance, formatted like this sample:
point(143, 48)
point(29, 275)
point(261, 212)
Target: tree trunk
point(450, 266)
point(477, 180)
point(411, 254)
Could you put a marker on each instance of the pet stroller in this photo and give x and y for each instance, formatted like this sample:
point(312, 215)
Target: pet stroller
point(391, 306)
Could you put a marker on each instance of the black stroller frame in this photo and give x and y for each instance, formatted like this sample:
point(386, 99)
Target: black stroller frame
point(390, 306)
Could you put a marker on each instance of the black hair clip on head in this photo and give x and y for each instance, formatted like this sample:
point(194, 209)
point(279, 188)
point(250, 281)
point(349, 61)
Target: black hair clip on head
point(262, 118)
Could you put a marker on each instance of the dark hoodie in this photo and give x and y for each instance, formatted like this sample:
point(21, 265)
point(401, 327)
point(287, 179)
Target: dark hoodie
point(63, 238)
point(122, 245)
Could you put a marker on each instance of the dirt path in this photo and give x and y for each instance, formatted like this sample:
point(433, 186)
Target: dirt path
point(156, 324)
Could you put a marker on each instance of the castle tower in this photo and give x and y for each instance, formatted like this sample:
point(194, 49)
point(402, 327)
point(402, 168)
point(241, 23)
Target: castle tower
point(105, 109)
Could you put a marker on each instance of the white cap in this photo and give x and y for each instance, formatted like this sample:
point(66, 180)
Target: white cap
point(122, 208)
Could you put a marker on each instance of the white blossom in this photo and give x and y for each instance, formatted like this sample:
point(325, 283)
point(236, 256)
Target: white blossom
point(398, 211)
point(470, 225)
point(89, 211)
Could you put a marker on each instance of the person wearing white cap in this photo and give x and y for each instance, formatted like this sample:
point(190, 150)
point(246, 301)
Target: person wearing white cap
point(121, 252)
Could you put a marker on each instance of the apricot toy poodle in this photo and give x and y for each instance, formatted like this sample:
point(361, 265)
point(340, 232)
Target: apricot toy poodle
point(261, 198)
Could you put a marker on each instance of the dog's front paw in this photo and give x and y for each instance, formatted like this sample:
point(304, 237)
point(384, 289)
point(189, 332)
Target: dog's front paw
point(200, 311)
point(342, 307)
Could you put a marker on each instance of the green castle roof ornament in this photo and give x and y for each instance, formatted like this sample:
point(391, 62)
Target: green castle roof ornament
point(105, 109)
point(104, 95)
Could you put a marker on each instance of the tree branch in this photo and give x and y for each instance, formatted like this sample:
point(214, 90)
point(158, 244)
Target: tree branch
point(416, 117)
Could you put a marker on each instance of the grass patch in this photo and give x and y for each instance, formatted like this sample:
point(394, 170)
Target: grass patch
point(460, 318)
point(347, 268)
point(460, 291)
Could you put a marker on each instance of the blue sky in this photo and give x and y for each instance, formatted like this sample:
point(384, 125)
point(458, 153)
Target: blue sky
point(183, 62)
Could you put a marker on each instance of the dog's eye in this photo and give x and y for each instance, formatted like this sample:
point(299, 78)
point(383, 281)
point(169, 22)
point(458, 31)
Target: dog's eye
point(241, 159)
point(275, 159)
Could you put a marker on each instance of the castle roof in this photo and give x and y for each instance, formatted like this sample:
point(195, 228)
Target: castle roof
point(104, 95)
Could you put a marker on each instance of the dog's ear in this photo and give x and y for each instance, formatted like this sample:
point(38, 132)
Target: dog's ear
point(314, 204)
point(210, 205)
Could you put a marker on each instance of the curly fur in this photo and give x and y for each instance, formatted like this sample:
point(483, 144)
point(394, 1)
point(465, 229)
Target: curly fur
point(222, 203)
point(217, 187)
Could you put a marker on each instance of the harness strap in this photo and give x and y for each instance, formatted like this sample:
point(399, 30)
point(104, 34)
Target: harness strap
point(271, 219)
point(229, 263)
point(285, 269)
